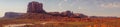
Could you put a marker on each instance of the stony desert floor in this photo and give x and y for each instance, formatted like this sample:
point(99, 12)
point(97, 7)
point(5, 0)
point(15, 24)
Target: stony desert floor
point(66, 22)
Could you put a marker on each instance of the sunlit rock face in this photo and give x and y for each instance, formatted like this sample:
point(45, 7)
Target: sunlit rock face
point(35, 7)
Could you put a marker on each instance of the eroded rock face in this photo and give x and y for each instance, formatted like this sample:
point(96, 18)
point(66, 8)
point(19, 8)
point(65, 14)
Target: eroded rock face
point(35, 7)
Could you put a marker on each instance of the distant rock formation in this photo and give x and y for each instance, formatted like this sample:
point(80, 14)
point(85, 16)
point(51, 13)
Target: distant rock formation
point(38, 16)
point(35, 11)
point(77, 15)
point(73, 15)
point(35, 7)
point(67, 13)
point(54, 13)
point(102, 17)
point(12, 14)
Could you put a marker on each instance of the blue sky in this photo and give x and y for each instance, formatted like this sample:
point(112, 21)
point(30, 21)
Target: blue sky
point(88, 7)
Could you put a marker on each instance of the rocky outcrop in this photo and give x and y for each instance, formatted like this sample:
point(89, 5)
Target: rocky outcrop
point(38, 16)
point(54, 13)
point(77, 15)
point(35, 10)
point(67, 13)
point(35, 7)
point(12, 14)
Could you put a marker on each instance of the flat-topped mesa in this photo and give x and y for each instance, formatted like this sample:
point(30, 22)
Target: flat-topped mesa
point(35, 7)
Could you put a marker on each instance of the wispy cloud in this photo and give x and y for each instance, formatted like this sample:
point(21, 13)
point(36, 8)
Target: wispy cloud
point(110, 5)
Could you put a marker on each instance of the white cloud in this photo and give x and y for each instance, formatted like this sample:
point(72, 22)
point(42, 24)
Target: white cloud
point(82, 8)
point(110, 5)
point(59, 4)
point(1, 14)
point(65, 0)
